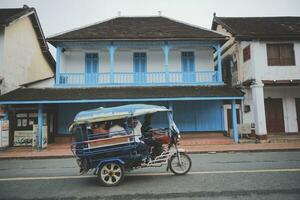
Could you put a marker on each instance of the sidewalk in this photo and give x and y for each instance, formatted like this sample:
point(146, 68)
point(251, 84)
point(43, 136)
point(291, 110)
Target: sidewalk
point(213, 143)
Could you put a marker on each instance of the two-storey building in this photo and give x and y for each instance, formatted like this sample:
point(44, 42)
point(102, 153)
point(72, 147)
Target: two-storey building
point(123, 60)
point(262, 57)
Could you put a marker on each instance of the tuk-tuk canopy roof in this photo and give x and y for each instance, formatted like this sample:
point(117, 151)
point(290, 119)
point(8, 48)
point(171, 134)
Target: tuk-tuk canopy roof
point(118, 112)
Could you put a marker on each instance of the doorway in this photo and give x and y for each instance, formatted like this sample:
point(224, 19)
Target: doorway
point(274, 115)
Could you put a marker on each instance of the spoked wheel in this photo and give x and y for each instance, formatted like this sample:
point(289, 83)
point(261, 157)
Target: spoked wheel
point(111, 174)
point(183, 167)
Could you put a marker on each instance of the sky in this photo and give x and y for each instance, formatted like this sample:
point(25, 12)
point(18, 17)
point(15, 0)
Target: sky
point(58, 16)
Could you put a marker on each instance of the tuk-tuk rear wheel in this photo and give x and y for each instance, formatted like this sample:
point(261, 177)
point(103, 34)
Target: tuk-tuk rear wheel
point(175, 166)
point(111, 174)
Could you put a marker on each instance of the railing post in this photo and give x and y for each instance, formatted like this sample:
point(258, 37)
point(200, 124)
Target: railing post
point(166, 49)
point(57, 69)
point(112, 49)
point(219, 54)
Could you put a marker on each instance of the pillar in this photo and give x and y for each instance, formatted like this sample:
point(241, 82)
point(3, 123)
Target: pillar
point(258, 104)
point(112, 49)
point(234, 121)
point(57, 69)
point(40, 125)
point(166, 49)
point(219, 61)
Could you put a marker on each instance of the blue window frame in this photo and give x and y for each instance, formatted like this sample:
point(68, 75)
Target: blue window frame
point(140, 67)
point(91, 68)
point(188, 66)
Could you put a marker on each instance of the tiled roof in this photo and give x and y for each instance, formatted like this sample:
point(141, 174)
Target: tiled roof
point(138, 28)
point(260, 27)
point(53, 94)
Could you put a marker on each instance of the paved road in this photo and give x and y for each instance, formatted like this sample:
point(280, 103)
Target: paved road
point(265, 175)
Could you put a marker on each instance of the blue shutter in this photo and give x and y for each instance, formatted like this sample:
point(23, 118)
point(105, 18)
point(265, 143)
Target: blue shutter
point(91, 68)
point(188, 67)
point(140, 67)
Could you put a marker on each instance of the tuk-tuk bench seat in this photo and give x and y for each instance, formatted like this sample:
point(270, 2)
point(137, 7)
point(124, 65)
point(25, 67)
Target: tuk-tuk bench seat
point(107, 142)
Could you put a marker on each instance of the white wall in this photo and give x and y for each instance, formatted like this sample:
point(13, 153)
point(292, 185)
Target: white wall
point(288, 95)
point(74, 60)
point(247, 68)
point(49, 83)
point(257, 67)
point(1, 59)
point(22, 60)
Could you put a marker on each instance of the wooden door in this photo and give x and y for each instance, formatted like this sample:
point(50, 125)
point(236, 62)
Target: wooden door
point(274, 115)
point(298, 112)
point(229, 117)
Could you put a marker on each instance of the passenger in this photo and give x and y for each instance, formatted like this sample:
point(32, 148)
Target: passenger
point(100, 128)
point(142, 148)
point(136, 125)
point(117, 129)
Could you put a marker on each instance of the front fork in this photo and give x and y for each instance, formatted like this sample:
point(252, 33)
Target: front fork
point(177, 153)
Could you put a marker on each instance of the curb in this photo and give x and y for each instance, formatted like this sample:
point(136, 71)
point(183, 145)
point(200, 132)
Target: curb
point(190, 152)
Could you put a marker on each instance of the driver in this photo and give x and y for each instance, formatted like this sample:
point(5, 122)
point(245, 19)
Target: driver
point(148, 137)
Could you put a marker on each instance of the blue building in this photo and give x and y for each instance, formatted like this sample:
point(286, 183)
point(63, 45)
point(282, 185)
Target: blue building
point(152, 60)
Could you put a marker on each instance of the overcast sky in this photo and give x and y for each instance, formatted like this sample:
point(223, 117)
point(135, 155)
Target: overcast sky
point(61, 15)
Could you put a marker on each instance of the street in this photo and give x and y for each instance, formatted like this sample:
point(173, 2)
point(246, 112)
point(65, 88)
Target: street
point(257, 175)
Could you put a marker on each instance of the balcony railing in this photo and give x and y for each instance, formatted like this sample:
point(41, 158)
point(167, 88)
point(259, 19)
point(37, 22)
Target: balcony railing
point(136, 79)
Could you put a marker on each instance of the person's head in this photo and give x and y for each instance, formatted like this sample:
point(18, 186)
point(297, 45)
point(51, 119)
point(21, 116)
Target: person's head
point(102, 125)
point(119, 122)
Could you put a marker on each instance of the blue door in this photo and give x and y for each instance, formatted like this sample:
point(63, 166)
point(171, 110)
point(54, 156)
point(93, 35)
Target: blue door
point(139, 66)
point(188, 66)
point(91, 68)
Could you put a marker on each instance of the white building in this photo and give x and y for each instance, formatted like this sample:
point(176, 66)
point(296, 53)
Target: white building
point(24, 53)
point(263, 58)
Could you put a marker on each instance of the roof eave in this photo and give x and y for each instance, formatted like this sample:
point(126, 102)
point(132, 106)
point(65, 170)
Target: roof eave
point(54, 42)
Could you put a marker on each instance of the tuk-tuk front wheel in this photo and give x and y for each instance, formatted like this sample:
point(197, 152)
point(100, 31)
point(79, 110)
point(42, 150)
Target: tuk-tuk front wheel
point(180, 165)
point(111, 174)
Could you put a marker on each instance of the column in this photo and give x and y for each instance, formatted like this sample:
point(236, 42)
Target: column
point(112, 49)
point(57, 70)
point(166, 49)
point(258, 104)
point(219, 59)
point(171, 117)
point(40, 125)
point(234, 121)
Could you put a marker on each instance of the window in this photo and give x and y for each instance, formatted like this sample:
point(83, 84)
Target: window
point(25, 120)
point(246, 53)
point(280, 54)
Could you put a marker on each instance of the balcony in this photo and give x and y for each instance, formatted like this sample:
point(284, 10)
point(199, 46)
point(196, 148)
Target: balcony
point(138, 79)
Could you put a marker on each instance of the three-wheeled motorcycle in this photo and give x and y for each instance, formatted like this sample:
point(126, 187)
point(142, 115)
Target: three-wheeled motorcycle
point(109, 154)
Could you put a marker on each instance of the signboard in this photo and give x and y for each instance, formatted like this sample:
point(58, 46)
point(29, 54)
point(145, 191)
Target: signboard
point(23, 138)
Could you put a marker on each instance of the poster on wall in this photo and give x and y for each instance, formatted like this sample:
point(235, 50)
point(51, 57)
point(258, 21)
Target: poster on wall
point(34, 135)
point(35, 138)
point(4, 133)
point(23, 138)
point(45, 136)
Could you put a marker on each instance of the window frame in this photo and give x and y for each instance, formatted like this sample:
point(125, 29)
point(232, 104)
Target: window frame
point(291, 62)
point(245, 50)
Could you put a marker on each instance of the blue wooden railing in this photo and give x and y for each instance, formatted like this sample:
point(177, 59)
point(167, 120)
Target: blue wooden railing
point(132, 79)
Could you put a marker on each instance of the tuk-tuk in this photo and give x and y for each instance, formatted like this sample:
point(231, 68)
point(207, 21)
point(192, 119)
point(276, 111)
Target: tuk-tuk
point(110, 141)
